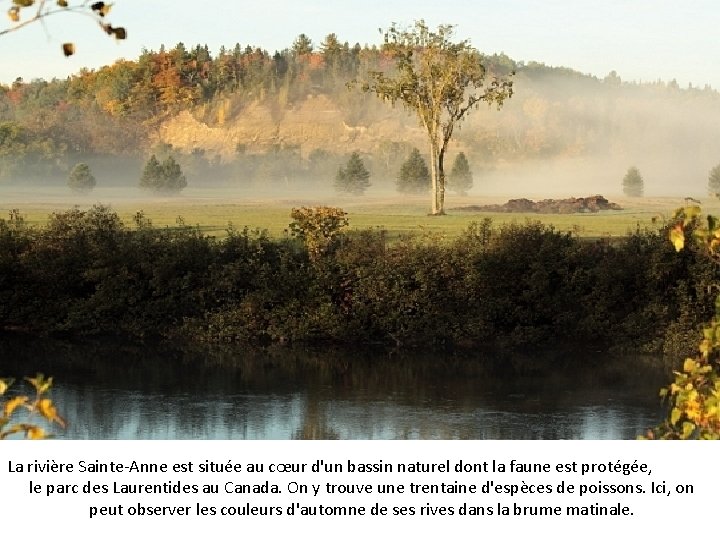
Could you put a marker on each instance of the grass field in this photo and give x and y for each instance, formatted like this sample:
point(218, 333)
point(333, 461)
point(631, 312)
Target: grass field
point(397, 215)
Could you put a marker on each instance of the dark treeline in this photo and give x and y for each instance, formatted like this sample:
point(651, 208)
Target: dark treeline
point(112, 117)
point(521, 286)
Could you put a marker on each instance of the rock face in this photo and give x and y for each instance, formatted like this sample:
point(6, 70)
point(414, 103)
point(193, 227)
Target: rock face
point(317, 122)
point(573, 205)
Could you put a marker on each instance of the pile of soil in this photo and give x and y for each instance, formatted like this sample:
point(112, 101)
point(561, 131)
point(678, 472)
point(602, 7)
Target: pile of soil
point(573, 205)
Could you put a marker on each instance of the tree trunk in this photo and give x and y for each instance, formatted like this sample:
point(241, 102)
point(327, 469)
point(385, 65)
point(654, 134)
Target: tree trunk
point(441, 181)
point(434, 176)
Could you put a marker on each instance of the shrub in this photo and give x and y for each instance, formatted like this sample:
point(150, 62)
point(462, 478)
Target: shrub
point(318, 228)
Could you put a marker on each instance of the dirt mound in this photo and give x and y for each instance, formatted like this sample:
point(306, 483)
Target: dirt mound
point(573, 205)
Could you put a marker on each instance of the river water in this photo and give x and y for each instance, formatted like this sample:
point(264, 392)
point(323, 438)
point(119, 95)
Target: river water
point(111, 390)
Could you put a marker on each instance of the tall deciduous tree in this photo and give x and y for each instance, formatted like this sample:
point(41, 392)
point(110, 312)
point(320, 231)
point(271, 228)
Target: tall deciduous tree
point(441, 81)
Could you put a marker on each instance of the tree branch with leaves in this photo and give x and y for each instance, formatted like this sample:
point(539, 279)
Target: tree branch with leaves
point(26, 12)
point(693, 396)
point(39, 405)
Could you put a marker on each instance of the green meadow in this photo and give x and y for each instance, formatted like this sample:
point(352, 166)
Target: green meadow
point(408, 216)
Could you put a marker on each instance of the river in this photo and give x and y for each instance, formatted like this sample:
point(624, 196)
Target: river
point(116, 390)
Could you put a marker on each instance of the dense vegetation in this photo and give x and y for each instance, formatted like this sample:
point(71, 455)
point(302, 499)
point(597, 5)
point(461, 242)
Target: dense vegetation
point(517, 287)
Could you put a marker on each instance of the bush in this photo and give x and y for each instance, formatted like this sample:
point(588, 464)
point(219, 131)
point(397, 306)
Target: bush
point(525, 285)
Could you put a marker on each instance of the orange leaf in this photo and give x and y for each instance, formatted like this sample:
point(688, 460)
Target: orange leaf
point(34, 432)
point(48, 410)
point(13, 404)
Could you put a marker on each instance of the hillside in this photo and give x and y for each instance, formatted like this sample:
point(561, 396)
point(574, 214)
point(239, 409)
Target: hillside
point(244, 115)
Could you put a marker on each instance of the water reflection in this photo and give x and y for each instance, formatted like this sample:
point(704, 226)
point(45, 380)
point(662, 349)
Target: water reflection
point(131, 391)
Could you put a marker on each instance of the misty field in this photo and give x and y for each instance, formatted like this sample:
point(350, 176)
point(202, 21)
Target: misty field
point(397, 215)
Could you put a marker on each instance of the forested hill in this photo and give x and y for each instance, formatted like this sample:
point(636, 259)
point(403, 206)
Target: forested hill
point(240, 113)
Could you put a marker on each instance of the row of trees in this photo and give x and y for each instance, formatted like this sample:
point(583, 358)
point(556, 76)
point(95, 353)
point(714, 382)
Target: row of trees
point(414, 175)
point(166, 177)
point(634, 186)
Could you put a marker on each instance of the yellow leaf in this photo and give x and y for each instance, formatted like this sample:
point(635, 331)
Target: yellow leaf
point(4, 385)
point(677, 237)
point(687, 429)
point(62, 3)
point(675, 416)
point(13, 404)
point(48, 410)
point(34, 432)
point(14, 14)
point(689, 365)
point(40, 383)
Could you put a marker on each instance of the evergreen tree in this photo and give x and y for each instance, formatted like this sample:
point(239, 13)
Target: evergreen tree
point(633, 184)
point(166, 177)
point(461, 178)
point(152, 174)
point(414, 174)
point(302, 45)
point(354, 178)
point(174, 179)
point(714, 180)
point(81, 179)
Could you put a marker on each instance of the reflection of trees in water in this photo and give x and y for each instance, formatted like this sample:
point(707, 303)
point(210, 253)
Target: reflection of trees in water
point(125, 390)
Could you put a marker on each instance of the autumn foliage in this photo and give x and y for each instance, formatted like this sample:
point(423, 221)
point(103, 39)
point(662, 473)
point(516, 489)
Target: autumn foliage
point(21, 412)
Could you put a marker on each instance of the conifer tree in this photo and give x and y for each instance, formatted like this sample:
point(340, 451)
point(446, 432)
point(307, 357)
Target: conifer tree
point(414, 174)
point(81, 179)
point(461, 178)
point(354, 178)
point(633, 184)
point(714, 180)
